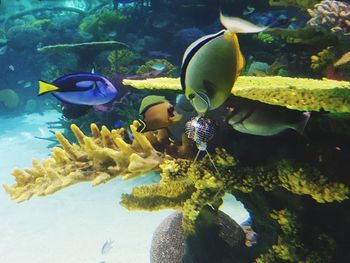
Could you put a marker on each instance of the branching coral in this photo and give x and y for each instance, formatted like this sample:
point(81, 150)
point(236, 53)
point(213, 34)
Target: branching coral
point(191, 186)
point(293, 93)
point(333, 15)
point(323, 59)
point(98, 158)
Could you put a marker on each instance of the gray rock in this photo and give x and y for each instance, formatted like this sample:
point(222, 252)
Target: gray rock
point(218, 237)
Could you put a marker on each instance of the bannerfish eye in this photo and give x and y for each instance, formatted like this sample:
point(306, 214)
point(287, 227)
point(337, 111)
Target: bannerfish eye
point(191, 96)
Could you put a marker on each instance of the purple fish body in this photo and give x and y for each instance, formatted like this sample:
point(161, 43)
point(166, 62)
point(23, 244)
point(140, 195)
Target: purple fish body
point(84, 89)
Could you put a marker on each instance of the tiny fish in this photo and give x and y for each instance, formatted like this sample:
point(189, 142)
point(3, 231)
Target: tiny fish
point(158, 66)
point(11, 67)
point(107, 246)
point(3, 50)
point(27, 85)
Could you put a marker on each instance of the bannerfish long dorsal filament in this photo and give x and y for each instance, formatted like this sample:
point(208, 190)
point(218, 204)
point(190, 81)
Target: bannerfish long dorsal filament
point(239, 25)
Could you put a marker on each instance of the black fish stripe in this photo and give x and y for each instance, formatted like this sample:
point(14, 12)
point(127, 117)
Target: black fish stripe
point(191, 54)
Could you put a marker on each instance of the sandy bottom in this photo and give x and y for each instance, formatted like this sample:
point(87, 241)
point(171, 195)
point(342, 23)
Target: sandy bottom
point(72, 225)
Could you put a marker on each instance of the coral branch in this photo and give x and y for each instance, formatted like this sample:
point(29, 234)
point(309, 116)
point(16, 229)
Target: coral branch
point(293, 93)
point(98, 159)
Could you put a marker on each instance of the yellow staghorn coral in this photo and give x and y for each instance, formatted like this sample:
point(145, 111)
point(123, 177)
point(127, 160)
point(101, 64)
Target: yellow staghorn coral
point(190, 186)
point(98, 159)
point(293, 93)
point(155, 83)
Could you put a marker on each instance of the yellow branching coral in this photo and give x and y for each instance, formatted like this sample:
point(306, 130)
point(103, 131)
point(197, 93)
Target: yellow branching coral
point(293, 93)
point(323, 59)
point(190, 186)
point(98, 158)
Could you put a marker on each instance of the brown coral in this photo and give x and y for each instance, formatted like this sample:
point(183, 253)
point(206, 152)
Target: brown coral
point(333, 15)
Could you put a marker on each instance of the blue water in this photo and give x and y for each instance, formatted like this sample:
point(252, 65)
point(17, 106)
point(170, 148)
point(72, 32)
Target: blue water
point(73, 224)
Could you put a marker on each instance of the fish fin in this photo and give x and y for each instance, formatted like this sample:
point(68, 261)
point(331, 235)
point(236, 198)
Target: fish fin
point(239, 25)
point(239, 56)
point(45, 87)
point(300, 126)
point(142, 127)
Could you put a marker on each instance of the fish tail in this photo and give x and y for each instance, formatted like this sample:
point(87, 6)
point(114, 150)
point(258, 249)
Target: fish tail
point(239, 25)
point(300, 127)
point(45, 87)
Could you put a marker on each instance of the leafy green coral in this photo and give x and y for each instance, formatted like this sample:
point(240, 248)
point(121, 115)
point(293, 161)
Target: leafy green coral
point(265, 37)
point(190, 186)
point(120, 60)
point(102, 23)
point(293, 93)
point(169, 70)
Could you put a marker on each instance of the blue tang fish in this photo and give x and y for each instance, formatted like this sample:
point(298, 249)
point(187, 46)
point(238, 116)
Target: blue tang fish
point(80, 89)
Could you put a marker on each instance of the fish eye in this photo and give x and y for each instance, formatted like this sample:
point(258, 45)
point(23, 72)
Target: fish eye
point(191, 96)
point(171, 110)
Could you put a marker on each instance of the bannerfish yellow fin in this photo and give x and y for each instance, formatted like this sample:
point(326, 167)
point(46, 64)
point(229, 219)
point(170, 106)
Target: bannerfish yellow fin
point(239, 25)
point(239, 56)
point(45, 87)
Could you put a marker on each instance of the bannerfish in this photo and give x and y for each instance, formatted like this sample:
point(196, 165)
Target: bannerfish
point(261, 119)
point(156, 113)
point(211, 64)
point(80, 89)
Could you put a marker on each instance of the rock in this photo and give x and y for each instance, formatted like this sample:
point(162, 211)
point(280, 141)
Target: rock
point(218, 239)
point(168, 242)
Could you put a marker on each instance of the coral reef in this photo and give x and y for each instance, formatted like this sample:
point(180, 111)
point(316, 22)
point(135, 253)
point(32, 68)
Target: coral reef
point(99, 158)
point(303, 4)
point(120, 60)
point(290, 246)
point(333, 15)
point(9, 98)
point(100, 24)
point(20, 37)
point(293, 93)
point(190, 186)
point(322, 59)
point(310, 36)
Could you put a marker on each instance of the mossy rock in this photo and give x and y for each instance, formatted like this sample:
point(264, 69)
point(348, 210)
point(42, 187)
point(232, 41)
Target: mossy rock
point(294, 93)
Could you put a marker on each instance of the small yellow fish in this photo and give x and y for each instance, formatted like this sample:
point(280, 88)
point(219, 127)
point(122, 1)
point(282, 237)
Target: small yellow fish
point(157, 113)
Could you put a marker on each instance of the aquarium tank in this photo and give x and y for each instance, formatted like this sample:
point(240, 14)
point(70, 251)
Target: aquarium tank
point(183, 131)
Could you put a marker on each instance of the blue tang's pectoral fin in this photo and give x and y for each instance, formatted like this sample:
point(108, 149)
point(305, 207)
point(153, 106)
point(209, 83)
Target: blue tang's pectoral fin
point(45, 87)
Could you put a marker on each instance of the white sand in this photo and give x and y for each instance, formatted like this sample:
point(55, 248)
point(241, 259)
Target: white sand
point(72, 225)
